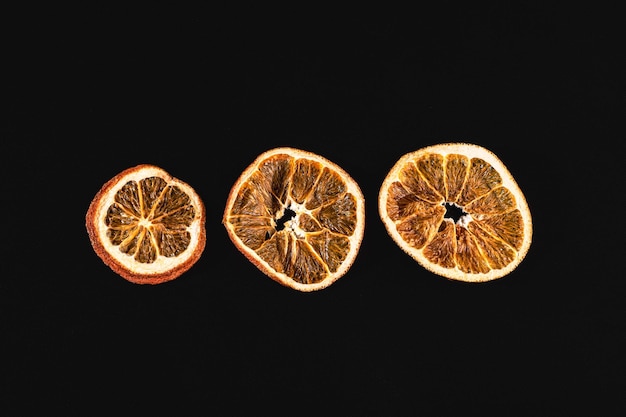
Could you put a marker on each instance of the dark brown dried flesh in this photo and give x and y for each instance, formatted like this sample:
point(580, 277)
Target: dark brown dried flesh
point(416, 204)
point(279, 182)
point(149, 219)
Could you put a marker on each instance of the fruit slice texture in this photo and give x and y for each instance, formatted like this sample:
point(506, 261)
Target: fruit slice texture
point(456, 209)
point(297, 216)
point(146, 225)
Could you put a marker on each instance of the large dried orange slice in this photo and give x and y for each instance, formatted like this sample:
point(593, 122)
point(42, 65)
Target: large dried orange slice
point(146, 225)
point(297, 216)
point(457, 210)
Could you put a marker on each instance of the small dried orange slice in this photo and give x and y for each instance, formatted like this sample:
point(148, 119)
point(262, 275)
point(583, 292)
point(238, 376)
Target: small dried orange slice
point(457, 210)
point(146, 225)
point(297, 216)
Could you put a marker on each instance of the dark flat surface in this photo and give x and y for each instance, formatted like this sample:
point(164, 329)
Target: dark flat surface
point(201, 93)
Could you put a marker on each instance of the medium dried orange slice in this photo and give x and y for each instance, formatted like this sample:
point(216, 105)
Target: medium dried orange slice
point(146, 225)
point(456, 209)
point(297, 216)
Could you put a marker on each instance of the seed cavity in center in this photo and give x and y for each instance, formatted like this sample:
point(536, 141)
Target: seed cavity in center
point(287, 215)
point(456, 214)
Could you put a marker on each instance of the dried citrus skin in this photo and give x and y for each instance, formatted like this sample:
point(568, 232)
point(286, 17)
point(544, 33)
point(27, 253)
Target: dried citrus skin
point(494, 230)
point(297, 216)
point(146, 225)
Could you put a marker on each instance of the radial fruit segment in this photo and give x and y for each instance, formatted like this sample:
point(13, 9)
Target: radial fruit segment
point(297, 216)
point(456, 209)
point(146, 225)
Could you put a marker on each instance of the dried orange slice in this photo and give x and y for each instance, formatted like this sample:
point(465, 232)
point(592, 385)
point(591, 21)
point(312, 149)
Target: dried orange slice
point(297, 216)
point(146, 225)
point(456, 209)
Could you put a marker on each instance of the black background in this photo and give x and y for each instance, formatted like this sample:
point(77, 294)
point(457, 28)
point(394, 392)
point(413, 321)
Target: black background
point(201, 91)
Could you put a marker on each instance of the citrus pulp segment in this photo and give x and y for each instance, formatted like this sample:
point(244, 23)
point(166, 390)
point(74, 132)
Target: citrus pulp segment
point(146, 225)
point(297, 216)
point(457, 210)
